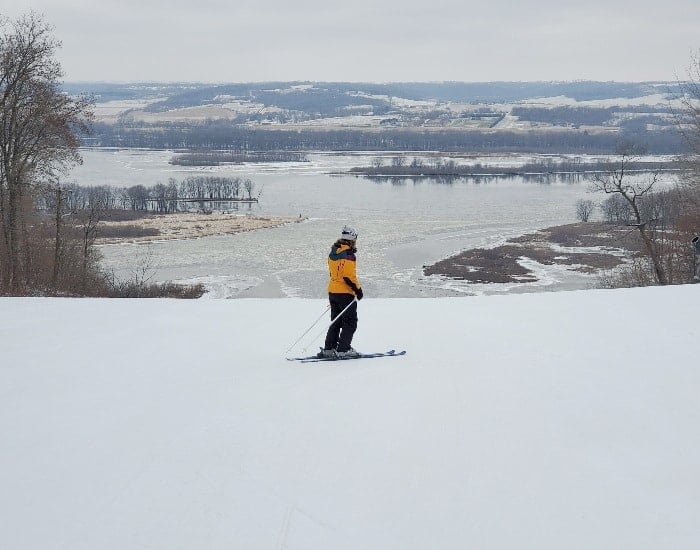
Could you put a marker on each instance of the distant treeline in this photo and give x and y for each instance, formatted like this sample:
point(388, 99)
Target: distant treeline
point(401, 168)
point(160, 198)
point(594, 116)
point(221, 135)
point(216, 158)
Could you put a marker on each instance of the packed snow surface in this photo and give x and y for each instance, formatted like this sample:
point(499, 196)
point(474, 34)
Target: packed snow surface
point(539, 421)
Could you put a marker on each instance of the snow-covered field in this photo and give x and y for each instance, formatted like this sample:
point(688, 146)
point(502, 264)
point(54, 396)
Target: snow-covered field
point(404, 111)
point(543, 421)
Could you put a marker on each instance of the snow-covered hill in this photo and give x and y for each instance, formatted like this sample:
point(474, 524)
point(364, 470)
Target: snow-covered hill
point(541, 421)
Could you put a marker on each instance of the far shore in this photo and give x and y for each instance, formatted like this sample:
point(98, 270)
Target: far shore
point(161, 227)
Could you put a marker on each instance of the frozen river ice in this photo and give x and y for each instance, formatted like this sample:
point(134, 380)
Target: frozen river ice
point(402, 226)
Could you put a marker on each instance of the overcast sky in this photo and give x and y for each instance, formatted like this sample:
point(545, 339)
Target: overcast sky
point(370, 40)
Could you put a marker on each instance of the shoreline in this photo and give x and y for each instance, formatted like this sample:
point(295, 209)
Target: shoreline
point(183, 225)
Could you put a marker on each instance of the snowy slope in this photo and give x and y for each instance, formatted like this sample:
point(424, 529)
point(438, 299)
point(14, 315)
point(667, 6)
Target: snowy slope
point(543, 421)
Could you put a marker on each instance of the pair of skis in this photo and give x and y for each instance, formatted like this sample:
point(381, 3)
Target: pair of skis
point(315, 358)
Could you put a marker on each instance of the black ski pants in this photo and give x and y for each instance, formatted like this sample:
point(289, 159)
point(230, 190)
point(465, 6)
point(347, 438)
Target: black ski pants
point(340, 333)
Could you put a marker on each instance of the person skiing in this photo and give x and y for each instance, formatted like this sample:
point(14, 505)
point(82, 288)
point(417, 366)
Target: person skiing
point(343, 290)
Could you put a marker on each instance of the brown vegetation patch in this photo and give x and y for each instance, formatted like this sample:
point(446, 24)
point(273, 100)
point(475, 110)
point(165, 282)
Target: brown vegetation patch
point(501, 264)
point(592, 234)
point(589, 262)
point(184, 226)
point(125, 231)
point(481, 265)
point(122, 215)
point(134, 289)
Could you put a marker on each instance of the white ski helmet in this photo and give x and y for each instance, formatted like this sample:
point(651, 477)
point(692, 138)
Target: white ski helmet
point(348, 234)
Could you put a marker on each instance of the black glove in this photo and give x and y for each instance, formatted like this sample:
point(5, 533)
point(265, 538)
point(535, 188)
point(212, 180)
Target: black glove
point(356, 289)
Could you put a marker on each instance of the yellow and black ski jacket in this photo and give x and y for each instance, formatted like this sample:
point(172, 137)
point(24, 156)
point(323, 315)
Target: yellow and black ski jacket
point(342, 269)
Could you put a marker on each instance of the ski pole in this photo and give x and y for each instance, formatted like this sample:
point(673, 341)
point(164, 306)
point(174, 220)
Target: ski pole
point(308, 329)
point(331, 323)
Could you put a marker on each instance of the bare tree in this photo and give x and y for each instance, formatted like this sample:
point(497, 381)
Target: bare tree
point(171, 194)
point(398, 161)
point(688, 120)
point(235, 187)
point(138, 197)
point(87, 221)
point(615, 209)
point(584, 209)
point(249, 186)
point(159, 196)
point(39, 122)
point(619, 181)
point(61, 193)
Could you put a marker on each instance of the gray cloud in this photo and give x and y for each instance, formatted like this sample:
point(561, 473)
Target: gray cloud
point(216, 40)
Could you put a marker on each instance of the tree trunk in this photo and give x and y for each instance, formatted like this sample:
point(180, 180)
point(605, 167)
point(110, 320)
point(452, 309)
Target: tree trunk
point(57, 251)
point(651, 249)
point(13, 245)
point(654, 255)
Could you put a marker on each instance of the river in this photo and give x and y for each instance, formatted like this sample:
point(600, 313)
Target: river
point(402, 225)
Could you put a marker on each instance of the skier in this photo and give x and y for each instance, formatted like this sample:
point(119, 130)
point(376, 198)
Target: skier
point(343, 288)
